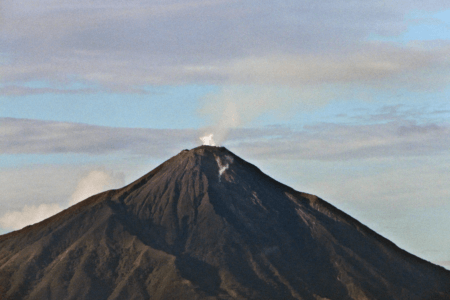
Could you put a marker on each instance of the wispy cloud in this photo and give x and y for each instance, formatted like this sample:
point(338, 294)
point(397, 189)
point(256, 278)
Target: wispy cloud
point(35, 136)
point(346, 142)
point(374, 65)
point(17, 90)
point(121, 47)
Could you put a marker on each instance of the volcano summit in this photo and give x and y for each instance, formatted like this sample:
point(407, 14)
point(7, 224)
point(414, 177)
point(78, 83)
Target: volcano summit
point(206, 224)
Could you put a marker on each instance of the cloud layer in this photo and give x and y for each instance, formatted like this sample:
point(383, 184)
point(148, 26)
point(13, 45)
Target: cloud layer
point(35, 136)
point(326, 141)
point(334, 142)
point(124, 46)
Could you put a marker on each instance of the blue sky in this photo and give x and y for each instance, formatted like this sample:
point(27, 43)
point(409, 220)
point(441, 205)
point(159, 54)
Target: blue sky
point(175, 107)
point(345, 100)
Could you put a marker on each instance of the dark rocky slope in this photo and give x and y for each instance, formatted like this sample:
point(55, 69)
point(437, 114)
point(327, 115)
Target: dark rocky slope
point(183, 232)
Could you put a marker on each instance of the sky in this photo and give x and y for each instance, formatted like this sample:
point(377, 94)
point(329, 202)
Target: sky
point(347, 100)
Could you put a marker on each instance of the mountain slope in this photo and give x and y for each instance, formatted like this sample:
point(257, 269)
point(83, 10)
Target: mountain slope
point(194, 228)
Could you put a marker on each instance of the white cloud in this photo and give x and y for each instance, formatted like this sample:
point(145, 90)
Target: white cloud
point(30, 214)
point(25, 181)
point(95, 182)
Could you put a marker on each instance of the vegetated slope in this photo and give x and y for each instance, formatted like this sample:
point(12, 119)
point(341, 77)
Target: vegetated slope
point(194, 229)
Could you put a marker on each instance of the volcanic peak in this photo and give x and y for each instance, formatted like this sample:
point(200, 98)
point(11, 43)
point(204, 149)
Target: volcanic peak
point(206, 224)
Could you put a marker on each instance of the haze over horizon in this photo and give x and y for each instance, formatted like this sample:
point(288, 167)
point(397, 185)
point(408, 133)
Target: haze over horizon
point(344, 100)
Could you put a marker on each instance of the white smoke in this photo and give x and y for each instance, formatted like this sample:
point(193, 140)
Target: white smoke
point(30, 214)
point(96, 182)
point(208, 140)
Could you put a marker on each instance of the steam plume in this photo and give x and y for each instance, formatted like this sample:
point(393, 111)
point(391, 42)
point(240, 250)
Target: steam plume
point(236, 106)
point(208, 140)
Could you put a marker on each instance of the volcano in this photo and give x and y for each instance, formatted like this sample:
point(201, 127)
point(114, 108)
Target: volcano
point(206, 224)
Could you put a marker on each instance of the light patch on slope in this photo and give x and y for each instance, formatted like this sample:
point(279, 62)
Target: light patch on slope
point(224, 167)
